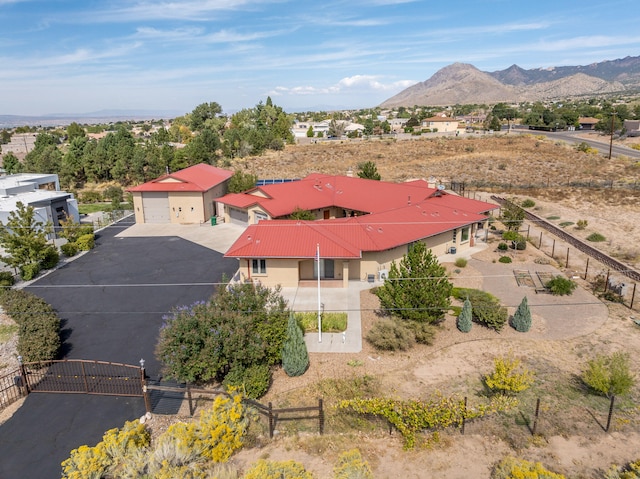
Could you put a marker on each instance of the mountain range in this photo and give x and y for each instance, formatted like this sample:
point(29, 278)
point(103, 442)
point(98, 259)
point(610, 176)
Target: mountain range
point(462, 83)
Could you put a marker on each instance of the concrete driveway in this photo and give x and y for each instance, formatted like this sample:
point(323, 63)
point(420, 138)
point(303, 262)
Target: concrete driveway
point(111, 301)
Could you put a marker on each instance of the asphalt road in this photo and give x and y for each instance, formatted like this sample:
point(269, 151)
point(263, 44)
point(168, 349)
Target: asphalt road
point(111, 301)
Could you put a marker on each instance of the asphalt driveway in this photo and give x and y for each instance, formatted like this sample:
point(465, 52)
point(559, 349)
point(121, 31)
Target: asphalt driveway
point(111, 300)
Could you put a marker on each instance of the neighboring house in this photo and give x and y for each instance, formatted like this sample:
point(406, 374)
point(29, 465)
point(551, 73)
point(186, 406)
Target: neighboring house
point(361, 227)
point(440, 124)
point(186, 196)
point(397, 124)
point(587, 122)
point(42, 192)
point(632, 127)
point(20, 144)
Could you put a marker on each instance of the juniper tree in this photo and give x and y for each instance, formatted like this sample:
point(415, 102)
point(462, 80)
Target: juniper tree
point(464, 320)
point(417, 288)
point(522, 317)
point(295, 357)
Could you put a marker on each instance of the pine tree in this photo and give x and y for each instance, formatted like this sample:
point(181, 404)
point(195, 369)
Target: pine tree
point(522, 317)
point(295, 358)
point(464, 320)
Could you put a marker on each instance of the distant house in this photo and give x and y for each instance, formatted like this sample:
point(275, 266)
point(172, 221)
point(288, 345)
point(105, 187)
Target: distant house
point(361, 226)
point(20, 144)
point(186, 196)
point(40, 191)
point(587, 122)
point(632, 127)
point(441, 124)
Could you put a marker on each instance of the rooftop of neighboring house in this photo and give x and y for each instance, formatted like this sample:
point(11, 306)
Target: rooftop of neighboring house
point(197, 178)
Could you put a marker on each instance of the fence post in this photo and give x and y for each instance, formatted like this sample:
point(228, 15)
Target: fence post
point(190, 398)
point(271, 422)
point(528, 230)
point(145, 390)
point(535, 420)
point(567, 258)
point(586, 268)
point(606, 282)
point(25, 389)
point(613, 399)
point(540, 242)
point(320, 416)
point(553, 249)
point(633, 295)
point(464, 415)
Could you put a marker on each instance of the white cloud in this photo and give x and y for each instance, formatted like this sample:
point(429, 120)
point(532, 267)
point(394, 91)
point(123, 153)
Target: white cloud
point(359, 83)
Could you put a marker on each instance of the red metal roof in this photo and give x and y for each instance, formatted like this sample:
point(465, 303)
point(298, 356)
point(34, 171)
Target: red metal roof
point(198, 178)
point(350, 237)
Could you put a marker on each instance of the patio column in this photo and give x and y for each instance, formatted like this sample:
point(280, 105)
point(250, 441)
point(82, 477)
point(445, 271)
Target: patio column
point(345, 274)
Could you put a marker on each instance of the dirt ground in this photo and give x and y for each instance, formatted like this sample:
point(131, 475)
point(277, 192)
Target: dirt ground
point(570, 438)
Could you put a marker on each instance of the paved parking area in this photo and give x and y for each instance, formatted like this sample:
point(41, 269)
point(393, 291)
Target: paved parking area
point(111, 301)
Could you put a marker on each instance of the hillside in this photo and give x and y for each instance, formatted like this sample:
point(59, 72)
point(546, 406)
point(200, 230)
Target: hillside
point(461, 83)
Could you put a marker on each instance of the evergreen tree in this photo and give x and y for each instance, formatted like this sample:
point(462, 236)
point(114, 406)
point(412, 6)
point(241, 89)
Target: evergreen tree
point(417, 288)
point(464, 320)
point(295, 358)
point(522, 317)
point(368, 171)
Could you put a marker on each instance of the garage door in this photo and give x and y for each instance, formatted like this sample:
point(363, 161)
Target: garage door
point(238, 217)
point(156, 207)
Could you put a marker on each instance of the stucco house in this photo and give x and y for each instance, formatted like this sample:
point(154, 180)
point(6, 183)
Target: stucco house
point(361, 226)
point(441, 124)
point(184, 197)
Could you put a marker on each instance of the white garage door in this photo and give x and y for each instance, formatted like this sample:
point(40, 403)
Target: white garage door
point(238, 217)
point(156, 207)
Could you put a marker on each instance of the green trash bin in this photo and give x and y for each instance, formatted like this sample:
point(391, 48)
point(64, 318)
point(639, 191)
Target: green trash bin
point(213, 221)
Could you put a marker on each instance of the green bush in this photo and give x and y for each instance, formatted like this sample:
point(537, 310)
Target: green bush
point(295, 357)
point(351, 465)
point(29, 271)
point(528, 203)
point(504, 259)
point(254, 380)
point(582, 224)
point(511, 467)
point(596, 238)
point(90, 197)
point(6, 278)
point(86, 242)
point(486, 307)
point(461, 262)
point(609, 375)
point(69, 249)
point(38, 325)
point(51, 258)
point(508, 377)
point(561, 286)
point(564, 224)
point(551, 218)
point(423, 333)
point(521, 320)
point(390, 335)
point(502, 246)
point(465, 319)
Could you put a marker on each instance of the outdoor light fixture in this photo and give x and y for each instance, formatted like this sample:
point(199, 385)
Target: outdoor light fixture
point(142, 363)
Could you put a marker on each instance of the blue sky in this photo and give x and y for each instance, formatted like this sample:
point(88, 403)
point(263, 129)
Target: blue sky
point(64, 56)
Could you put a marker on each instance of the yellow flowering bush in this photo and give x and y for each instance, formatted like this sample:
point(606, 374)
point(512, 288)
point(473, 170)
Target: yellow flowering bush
point(351, 465)
point(512, 468)
point(277, 470)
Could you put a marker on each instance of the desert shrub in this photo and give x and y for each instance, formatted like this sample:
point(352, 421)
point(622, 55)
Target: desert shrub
point(51, 258)
point(502, 246)
point(461, 262)
point(612, 297)
point(390, 335)
point(295, 357)
point(510, 467)
point(107, 455)
point(564, 224)
point(264, 469)
point(69, 249)
point(86, 242)
point(29, 271)
point(581, 224)
point(596, 237)
point(528, 203)
point(90, 197)
point(553, 217)
point(351, 465)
point(609, 375)
point(631, 471)
point(423, 333)
point(464, 321)
point(518, 241)
point(521, 320)
point(6, 279)
point(504, 259)
point(254, 380)
point(561, 286)
point(332, 322)
point(508, 377)
point(486, 307)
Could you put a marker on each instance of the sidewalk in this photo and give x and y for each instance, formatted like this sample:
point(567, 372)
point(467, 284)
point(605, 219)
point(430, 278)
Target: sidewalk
point(334, 300)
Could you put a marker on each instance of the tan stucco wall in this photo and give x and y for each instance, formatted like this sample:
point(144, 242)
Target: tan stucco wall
point(283, 272)
point(186, 208)
point(137, 207)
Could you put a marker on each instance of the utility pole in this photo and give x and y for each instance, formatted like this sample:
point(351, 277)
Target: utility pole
point(611, 139)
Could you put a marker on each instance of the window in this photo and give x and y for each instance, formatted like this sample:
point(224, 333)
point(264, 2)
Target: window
point(259, 266)
point(455, 235)
point(464, 235)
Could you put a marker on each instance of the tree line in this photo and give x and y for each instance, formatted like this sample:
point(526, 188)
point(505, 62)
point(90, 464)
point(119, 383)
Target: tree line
point(205, 135)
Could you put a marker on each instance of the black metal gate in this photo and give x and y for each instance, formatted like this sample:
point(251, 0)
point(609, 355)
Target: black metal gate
point(81, 376)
